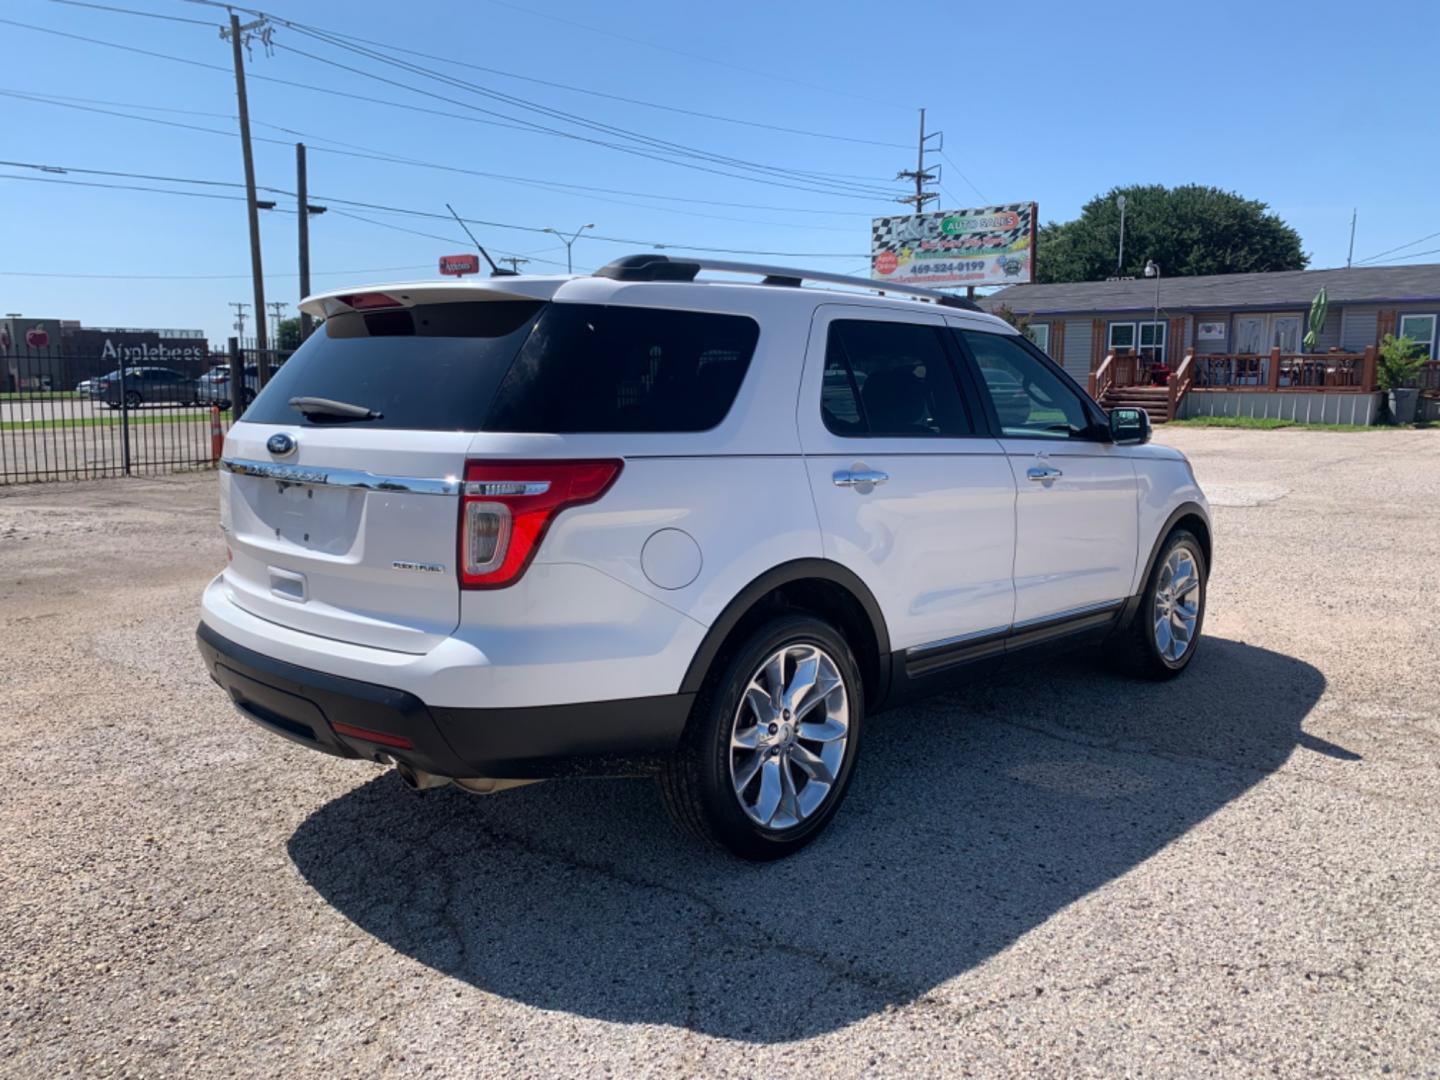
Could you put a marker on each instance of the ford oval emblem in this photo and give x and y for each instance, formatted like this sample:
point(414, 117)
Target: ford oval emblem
point(280, 444)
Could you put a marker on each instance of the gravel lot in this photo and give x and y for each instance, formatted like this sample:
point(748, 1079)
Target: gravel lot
point(1060, 873)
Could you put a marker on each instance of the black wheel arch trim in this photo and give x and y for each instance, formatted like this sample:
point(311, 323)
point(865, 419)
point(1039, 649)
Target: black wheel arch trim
point(1184, 510)
point(768, 582)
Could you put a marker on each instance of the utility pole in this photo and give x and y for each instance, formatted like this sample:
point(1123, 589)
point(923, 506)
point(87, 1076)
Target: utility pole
point(257, 272)
point(515, 261)
point(1350, 257)
point(1120, 256)
point(239, 318)
point(302, 190)
point(277, 309)
point(920, 175)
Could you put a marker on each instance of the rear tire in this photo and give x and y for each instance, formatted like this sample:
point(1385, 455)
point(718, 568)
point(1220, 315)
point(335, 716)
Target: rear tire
point(770, 748)
point(1162, 638)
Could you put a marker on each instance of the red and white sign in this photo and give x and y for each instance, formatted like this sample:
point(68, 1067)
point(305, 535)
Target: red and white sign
point(459, 264)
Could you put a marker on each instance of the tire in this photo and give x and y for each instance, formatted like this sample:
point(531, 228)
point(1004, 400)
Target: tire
point(701, 784)
point(1143, 648)
point(133, 400)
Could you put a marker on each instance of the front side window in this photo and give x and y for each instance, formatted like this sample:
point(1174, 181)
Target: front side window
point(1029, 398)
point(1421, 330)
point(890, 379)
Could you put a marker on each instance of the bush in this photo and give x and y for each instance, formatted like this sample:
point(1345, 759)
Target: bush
point(1400, 362)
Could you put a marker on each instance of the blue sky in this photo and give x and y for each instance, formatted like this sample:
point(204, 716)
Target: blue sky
point(1313, 110)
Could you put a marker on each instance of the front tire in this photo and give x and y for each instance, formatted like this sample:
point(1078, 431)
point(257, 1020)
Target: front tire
point(771, 744)
point(1162, 638)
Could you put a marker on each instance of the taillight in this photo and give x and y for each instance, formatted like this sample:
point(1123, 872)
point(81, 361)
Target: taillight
point(507, 506)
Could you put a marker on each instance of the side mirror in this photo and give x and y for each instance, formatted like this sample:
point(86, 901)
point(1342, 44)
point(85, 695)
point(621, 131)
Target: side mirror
point(1129, 426)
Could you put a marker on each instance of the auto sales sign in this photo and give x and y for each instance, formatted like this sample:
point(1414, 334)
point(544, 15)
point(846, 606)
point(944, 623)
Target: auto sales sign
point(994, 245)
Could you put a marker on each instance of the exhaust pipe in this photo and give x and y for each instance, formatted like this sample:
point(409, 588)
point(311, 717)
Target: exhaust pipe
point(417, 780)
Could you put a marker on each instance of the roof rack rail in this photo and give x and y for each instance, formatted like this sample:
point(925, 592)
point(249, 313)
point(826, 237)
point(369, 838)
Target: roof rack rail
point(663, 268)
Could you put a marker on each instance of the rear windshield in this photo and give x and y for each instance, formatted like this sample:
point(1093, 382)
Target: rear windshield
point(432, 367)
point(520, 366)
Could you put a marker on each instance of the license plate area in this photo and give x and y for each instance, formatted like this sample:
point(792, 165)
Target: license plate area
point(307, 517)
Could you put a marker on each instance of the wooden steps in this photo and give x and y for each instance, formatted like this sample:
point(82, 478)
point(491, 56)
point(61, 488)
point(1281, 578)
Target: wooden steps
point(1155, 400)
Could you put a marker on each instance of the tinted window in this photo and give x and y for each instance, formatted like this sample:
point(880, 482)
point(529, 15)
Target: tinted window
point(889, 378)
point(432, 367)
point(593, 368)
point(1029, 398)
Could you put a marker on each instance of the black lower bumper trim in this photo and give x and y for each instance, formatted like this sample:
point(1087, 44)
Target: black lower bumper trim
point(588, 739)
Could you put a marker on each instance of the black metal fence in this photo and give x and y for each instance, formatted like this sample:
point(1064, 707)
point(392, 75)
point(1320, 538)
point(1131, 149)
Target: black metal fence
point(65, 416)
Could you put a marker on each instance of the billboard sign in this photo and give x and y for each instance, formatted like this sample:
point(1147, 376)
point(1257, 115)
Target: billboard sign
point(459, 264)
point(994, 245)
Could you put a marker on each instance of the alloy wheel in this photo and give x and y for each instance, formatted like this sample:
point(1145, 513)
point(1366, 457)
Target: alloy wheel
point(1176, 611)
point(788, 737)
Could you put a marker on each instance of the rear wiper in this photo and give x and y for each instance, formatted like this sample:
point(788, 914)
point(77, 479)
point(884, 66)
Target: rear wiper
point(336, 410)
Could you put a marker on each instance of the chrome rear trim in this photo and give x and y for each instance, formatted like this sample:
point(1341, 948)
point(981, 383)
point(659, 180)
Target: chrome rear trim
point(324, 476)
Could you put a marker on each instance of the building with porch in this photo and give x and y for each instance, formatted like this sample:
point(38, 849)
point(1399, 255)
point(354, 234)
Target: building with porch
point(1233, 344)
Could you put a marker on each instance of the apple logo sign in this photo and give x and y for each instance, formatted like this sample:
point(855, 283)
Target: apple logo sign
point(37, 337)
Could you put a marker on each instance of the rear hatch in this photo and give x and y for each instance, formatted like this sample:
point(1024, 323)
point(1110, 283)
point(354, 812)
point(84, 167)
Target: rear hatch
point(346, 527)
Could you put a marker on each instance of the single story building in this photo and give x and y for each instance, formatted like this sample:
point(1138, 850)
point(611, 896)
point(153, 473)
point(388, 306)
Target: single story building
point(1243, 335)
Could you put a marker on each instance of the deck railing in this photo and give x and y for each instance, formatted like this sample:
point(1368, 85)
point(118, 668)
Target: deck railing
point(1259, 372)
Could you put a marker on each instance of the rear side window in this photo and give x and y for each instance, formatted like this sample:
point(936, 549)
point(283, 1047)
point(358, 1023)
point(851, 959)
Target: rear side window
point(431, 367)
point(592, 368)
point(892, 379)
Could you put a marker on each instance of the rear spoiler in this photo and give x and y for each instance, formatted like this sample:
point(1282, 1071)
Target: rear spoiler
point(408, 294)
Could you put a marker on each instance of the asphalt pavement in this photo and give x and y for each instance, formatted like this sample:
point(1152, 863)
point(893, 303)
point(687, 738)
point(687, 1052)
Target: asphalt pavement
point(1059, 873)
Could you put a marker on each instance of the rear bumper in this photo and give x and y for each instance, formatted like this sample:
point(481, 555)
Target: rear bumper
point(604, 738)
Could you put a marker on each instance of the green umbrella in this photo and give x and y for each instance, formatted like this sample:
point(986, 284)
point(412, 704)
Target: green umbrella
point(1318, 307)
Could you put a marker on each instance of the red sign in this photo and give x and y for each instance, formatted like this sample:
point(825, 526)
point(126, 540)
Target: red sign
point(459, 264)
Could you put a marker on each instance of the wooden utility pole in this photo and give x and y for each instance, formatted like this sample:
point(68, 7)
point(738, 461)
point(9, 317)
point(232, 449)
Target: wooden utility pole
point(301, 189)
point(257, 271)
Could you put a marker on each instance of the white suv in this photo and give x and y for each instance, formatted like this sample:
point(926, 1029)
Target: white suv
point(534, 527)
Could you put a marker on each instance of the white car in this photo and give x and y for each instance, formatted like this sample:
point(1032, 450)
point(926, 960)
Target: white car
point(646, 521)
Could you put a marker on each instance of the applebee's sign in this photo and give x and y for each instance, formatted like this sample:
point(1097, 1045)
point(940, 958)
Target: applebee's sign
point(143, 352)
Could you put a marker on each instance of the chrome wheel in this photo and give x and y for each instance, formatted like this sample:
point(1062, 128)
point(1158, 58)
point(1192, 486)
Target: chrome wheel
point(1177, 605)
point(788, 737)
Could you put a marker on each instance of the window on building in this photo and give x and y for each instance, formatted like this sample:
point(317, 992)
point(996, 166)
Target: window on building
point(1146, 338)
point(1421, 330)
point(1039, 333)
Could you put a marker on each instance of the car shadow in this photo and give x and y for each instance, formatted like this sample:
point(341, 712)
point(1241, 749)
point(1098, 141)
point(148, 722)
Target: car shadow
point(973, 818)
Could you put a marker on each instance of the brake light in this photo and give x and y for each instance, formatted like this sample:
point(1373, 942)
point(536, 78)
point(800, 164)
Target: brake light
point(368, 301)
point(507, 506)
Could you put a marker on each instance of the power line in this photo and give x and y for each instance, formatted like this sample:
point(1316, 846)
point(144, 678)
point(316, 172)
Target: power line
point(369, 153)
point(409, 211)
point(1402, 247)
point(967, 179)
point(835, 188)
point(654, 152)
point(591, 92)
point(204, 277)
point(132, 11)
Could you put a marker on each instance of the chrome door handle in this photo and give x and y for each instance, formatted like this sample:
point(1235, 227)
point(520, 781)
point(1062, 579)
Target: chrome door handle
point(855, 478)
point(1043, 473)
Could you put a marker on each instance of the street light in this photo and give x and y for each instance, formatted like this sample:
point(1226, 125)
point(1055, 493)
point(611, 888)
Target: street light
point(1152, 269)
point(569, 264)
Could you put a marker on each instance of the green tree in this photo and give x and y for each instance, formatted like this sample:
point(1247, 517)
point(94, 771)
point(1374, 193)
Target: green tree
point(289, 335)
point(1188, 230)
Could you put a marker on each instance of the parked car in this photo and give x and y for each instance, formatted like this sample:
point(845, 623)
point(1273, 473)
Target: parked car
point(84, 385)
point(147, 386)
point(214, 385)
point(637, 522)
